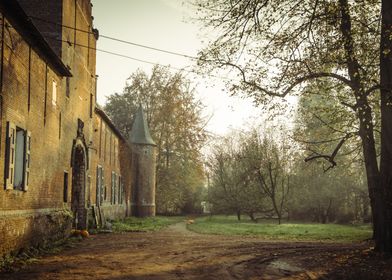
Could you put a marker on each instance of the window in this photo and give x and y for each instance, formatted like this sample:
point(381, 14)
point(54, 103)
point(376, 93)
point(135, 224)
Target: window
point(110, 148)
point(54, 92)
point(115, 153)
point(104, 142)
point(18, 144)
point(65, 187)
point(114, 185)
point(100, 138)
point(88, 191)
point(100, 186)
point(120, 190)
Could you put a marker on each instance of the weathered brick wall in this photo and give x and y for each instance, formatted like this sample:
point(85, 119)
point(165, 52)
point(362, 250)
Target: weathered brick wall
point(42, 121)
point(53, 128)
point(82, 84)
point(42, 213)
point(111, 154)
point(125, 157)
point(21, 229)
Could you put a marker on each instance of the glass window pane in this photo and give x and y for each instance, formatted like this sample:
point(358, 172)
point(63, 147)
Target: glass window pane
point(19, 159)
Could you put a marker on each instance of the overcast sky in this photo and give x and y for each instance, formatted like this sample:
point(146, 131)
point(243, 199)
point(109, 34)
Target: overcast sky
point(162, 24)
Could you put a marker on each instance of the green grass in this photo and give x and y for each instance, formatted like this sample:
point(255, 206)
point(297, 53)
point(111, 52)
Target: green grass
point(228, 225)
point(145, 224)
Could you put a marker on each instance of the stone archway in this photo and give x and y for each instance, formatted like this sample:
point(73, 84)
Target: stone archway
point(78, 199)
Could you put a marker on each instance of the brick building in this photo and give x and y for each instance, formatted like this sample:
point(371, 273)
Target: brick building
point(111, 161)
point(32, 128)
point(63, 162)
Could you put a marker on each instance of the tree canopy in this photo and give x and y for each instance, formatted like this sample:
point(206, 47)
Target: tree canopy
point(175, 119)
point(281, 47)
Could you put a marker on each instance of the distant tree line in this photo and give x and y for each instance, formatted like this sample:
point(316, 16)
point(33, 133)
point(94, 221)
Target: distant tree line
point(258, 174)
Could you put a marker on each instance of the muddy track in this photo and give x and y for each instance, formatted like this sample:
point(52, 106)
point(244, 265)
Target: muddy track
point(176, 253)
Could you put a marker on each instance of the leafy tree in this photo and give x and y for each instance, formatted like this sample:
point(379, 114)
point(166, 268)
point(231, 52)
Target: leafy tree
point(269, 163)
point(233, 189)
point(337, 195)
point(250, 175)
point(278, 47)
point(177, 127)
point(333, 196)
point(322, 124)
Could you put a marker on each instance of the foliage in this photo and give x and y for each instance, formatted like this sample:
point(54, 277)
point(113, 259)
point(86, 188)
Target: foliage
point(280, 47)
point(261, 176)
point(177, 127)
point(322, 122)
point(30, 255)
point(249, 174)
point(145, 224)
point(318, 49)
point(228, 225)
point(334, 196)
point(339, 194)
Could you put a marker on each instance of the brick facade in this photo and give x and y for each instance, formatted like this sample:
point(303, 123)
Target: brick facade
point(62, 160)
point(31, 101)
point(112, 166)
point(55, 107)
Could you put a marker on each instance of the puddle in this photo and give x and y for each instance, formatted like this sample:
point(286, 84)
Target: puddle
point(284, 266)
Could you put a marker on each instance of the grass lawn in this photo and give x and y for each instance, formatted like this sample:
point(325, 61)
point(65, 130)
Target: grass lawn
point(228, 225)
point(145, 224)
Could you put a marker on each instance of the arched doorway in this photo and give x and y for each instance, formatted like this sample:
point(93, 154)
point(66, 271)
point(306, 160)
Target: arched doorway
point(79, 187)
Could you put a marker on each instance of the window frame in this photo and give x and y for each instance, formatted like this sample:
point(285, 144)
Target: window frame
point(100, 190)
point(10, 158)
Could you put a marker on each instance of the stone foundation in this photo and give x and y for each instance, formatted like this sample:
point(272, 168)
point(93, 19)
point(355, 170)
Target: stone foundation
point(21, 229)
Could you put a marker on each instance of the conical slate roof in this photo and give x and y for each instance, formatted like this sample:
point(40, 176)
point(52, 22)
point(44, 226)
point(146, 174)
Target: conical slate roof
point(140, 133)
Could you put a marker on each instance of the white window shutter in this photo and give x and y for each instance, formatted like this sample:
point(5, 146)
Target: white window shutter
point(11, 140)
point(27, 161)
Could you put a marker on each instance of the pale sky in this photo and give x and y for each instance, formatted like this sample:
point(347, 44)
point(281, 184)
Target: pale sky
point(162, 24)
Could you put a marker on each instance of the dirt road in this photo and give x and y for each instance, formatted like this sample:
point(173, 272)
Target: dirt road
point(175, 253)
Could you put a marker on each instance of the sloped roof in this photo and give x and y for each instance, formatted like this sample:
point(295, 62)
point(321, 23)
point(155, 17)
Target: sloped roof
point(140, 133)
point(22, 23)
point(98, 110)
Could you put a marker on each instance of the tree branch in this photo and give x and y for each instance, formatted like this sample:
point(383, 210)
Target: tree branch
point(373, 88)
point(298, 81)
point(331, 158)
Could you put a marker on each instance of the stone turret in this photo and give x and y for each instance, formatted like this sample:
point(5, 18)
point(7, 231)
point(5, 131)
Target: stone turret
point(143, 167)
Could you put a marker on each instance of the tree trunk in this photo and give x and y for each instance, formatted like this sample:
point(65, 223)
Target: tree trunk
point(239, 215)
point(364, 114)
point(384, 235)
